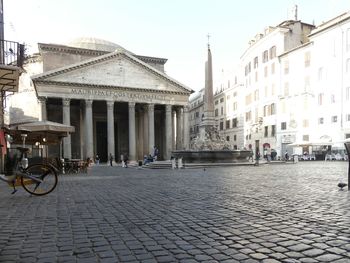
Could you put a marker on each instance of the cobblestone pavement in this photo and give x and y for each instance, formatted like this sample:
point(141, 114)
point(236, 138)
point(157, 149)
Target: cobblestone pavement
point(270, 213)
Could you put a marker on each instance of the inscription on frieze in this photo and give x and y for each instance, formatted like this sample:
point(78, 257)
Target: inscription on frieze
point(120, 94)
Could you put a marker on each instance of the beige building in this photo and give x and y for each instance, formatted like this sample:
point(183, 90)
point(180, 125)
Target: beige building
point(118, 102)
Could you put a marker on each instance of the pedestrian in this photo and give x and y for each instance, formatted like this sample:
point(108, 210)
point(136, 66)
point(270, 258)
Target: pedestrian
point(111, 159)
point(155, 153)
point(286, 156)
point(97, 159)
point(126, 160)
point(250, 157)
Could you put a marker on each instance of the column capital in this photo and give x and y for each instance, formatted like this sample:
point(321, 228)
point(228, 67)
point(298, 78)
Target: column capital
point(168, 107)
point(186, 108)
point(131, 105)
point(110, 104)
point(150, 106)
point(180, 109)
point(88, 103)
point(42, 99)
point(65, 101)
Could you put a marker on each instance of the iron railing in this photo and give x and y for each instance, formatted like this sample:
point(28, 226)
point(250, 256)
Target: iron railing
point(11, 53)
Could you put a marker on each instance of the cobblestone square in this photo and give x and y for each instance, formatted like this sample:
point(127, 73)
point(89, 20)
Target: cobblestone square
point(271, 213)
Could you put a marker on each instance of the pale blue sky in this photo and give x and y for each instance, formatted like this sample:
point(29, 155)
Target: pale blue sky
point(175, 29)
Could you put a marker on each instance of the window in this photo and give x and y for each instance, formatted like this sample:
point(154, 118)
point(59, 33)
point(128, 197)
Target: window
point(320, 120)
point(273, 130)
point(286, 67)
point(234, 123)
point(248, 99)
point(247, 69)
point(347, 117)
point(272, 52)
point(256, 62)
point(227, 124)
point(286, 89)
point(248, 116)
point(265, 71)
point(332, 98)
point(235, 137)
point(266, 111)
point(221, 125)
point(273, 68)
point(307, 57)
point(256, 76)
point(306, 138)
point(228, 138)
point(272, 89)
point(320, 73)
point(197, 114)
point(306, 83)
point(265, 56)
point(221, 100)
point(320, 99)
point(334, 119)
point(266, 131)
point(222, 110)
point(283, 126)
point(305, 123)
point(216, 102)
point(273, 108)
point(235, 106)
point(216, 112)
point(235, 94)
point(256, 95)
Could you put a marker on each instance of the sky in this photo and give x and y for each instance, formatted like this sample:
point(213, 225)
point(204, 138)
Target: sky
point(172, 29)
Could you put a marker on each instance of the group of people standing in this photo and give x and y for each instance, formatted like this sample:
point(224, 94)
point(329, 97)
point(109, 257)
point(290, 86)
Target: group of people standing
point(124, 158)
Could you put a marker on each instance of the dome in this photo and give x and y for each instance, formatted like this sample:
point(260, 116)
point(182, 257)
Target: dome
point(94, 44)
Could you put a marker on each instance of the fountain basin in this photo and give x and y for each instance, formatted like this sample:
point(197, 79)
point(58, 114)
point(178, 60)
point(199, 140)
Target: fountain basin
point(212, 156)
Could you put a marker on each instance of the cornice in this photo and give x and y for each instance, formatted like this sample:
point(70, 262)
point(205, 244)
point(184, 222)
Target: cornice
point(70, 50)
point(152, 59)
point(120, 88)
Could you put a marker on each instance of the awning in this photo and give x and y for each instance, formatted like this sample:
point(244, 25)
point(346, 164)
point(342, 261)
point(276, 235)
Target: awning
point(43, 132)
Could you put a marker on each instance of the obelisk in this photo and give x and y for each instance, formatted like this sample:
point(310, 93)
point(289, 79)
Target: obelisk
point(208, 120)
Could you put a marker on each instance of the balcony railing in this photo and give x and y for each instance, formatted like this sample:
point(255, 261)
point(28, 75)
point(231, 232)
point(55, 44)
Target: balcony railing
point(11, 53)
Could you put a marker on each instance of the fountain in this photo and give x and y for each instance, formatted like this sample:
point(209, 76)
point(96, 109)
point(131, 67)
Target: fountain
point(209, 147)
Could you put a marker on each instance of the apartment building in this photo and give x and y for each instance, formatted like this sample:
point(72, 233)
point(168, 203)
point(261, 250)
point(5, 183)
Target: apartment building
point(292, 85)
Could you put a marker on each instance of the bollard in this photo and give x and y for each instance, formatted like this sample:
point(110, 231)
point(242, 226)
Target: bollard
point(179, 163)
point(173, 163)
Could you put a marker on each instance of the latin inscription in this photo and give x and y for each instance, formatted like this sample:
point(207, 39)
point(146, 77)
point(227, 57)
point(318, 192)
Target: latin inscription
point(118, 94)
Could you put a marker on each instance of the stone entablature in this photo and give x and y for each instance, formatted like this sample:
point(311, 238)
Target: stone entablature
point(65, 90)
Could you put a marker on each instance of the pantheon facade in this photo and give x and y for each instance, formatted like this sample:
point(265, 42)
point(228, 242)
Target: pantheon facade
point(118, 102)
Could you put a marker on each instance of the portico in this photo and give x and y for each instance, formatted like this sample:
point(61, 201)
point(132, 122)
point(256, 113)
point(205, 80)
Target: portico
point(118, 104)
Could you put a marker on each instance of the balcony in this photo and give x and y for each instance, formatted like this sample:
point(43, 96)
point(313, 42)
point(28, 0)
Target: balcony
point(11, 63)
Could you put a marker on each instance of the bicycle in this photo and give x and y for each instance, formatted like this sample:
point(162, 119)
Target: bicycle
point(36, 179)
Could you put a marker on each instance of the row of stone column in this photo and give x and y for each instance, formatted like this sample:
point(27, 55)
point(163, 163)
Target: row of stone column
point(182, 140)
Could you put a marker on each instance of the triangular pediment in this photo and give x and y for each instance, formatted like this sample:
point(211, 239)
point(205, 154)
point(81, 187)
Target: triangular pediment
point(118, 69)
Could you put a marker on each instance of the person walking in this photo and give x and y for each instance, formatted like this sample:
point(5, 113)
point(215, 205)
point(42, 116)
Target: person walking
point(286, 156)
point(111, 159)
point(126, 160)
point(97, 159)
